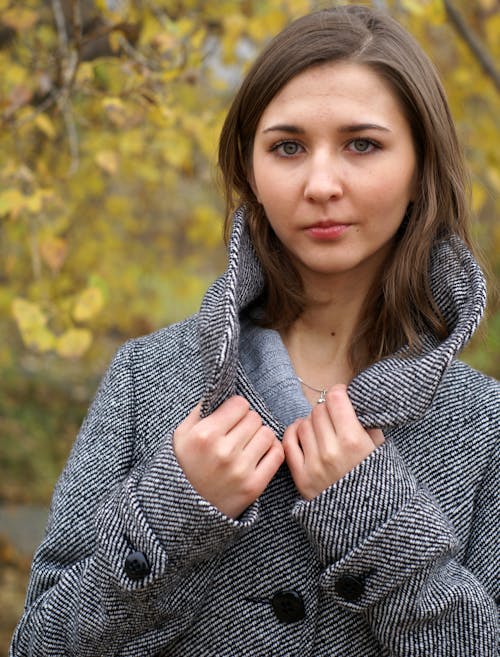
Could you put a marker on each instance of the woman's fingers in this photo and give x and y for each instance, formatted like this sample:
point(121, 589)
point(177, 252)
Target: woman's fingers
point(325, 446)
point(190, 420)
point(291, 446)
point(341, 411)
point(324, 432)
point(229, 457)
point(244, 431)
point(377, 436)
point(271, 459)
point(226, 416)
point(222, 420)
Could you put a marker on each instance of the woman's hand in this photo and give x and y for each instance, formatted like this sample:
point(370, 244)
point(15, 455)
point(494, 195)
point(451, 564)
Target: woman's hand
point(229, 457)
point(323, 447)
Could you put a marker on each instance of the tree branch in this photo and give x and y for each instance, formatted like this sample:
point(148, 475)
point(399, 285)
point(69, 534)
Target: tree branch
point(74, 146)
point(475, 45)
point(70, 59)
point(76, 20)
point(57, 10)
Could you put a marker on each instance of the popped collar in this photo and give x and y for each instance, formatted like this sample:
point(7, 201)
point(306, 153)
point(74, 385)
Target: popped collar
point(388, 393)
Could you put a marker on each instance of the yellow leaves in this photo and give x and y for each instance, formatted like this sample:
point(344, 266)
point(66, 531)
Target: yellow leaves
point(163, 42)
point(493, 29)
point(69, 341)
point(496, 238)
point(53, 250)
point(478, 197)
point(432, 12)
point(20, 94)
point(32, 324)
point(205, 227)
point(299, 7)
point(28, 314)
point(414, 6)
point(115, 40)
point(152, 32)
point(73, 343)
point(85, 73)
point(101, 5)
point(117, 207)
point(43, 122)
point(16, 76)
point(108, 161)
point(177, 150)
point(115, 110)
point(34, 202)
point(488, 5)
point(235, 26)
point(204, 131)
point(185, 27)
point(160, 115)
point(19, 18)
point(121, 114)
point(266, 24)
point(131, 143)
point(494, 178)
point(88, 304)
point(463, 76)
point(13, 202)
point(197, 39)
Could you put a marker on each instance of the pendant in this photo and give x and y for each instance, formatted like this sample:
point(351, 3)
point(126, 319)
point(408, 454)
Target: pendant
point(322, 397)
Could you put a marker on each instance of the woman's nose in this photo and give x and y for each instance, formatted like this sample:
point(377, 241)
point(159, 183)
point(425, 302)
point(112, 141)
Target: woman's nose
point(323, 179)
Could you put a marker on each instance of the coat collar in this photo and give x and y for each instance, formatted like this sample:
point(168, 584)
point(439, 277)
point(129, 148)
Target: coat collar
point(389, 393)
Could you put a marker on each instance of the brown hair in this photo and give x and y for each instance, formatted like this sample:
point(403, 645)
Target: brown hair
point(402, 306)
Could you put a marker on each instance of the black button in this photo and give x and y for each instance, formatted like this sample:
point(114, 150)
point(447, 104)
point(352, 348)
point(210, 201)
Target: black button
point(288, 606)
point(137, 566)
point(349, 587)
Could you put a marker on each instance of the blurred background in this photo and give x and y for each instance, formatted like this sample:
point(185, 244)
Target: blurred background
point(110, 212)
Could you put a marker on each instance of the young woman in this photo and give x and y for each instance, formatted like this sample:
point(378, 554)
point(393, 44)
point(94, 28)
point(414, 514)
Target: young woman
point(302, 468)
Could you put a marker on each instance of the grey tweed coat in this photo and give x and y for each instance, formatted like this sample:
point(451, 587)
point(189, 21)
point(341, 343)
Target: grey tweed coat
point(399, 558)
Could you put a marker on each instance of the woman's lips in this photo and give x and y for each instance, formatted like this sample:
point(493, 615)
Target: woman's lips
point(327, 230)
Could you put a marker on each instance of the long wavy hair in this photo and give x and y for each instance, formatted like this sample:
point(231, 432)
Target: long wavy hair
point(401, 306)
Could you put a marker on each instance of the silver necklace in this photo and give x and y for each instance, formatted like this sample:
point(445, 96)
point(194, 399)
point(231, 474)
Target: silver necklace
point(322, 391)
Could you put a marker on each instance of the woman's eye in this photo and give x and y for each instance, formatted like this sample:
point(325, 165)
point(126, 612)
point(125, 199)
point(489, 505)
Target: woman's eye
point(362, 145)
point(287, 148)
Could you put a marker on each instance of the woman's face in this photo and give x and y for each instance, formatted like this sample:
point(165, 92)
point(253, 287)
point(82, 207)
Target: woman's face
point(334, 167)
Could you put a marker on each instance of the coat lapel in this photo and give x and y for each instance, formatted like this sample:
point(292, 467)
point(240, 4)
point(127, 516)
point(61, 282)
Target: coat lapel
point(394, 391)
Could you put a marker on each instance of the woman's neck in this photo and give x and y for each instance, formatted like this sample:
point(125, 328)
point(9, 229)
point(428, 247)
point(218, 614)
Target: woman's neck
point(319, 341)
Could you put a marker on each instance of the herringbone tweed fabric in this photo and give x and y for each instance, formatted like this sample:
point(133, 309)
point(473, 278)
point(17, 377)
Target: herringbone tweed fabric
point(416, 523)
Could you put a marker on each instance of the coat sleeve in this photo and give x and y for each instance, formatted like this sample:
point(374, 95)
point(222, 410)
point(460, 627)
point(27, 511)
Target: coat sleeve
point(122, 542)
point(388, 554)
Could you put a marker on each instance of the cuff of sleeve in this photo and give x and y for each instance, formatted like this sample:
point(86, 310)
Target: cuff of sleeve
point(375, 530)
point(403, 553)
point(346, 513)
point(159, 514)
point(189, 528)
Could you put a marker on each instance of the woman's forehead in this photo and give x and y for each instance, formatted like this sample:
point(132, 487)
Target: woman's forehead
point(335, 91)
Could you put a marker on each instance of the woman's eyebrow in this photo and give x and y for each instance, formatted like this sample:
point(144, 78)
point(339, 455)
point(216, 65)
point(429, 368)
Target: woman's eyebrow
point(359, 127)
point(284, 127)
point(355, 127)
